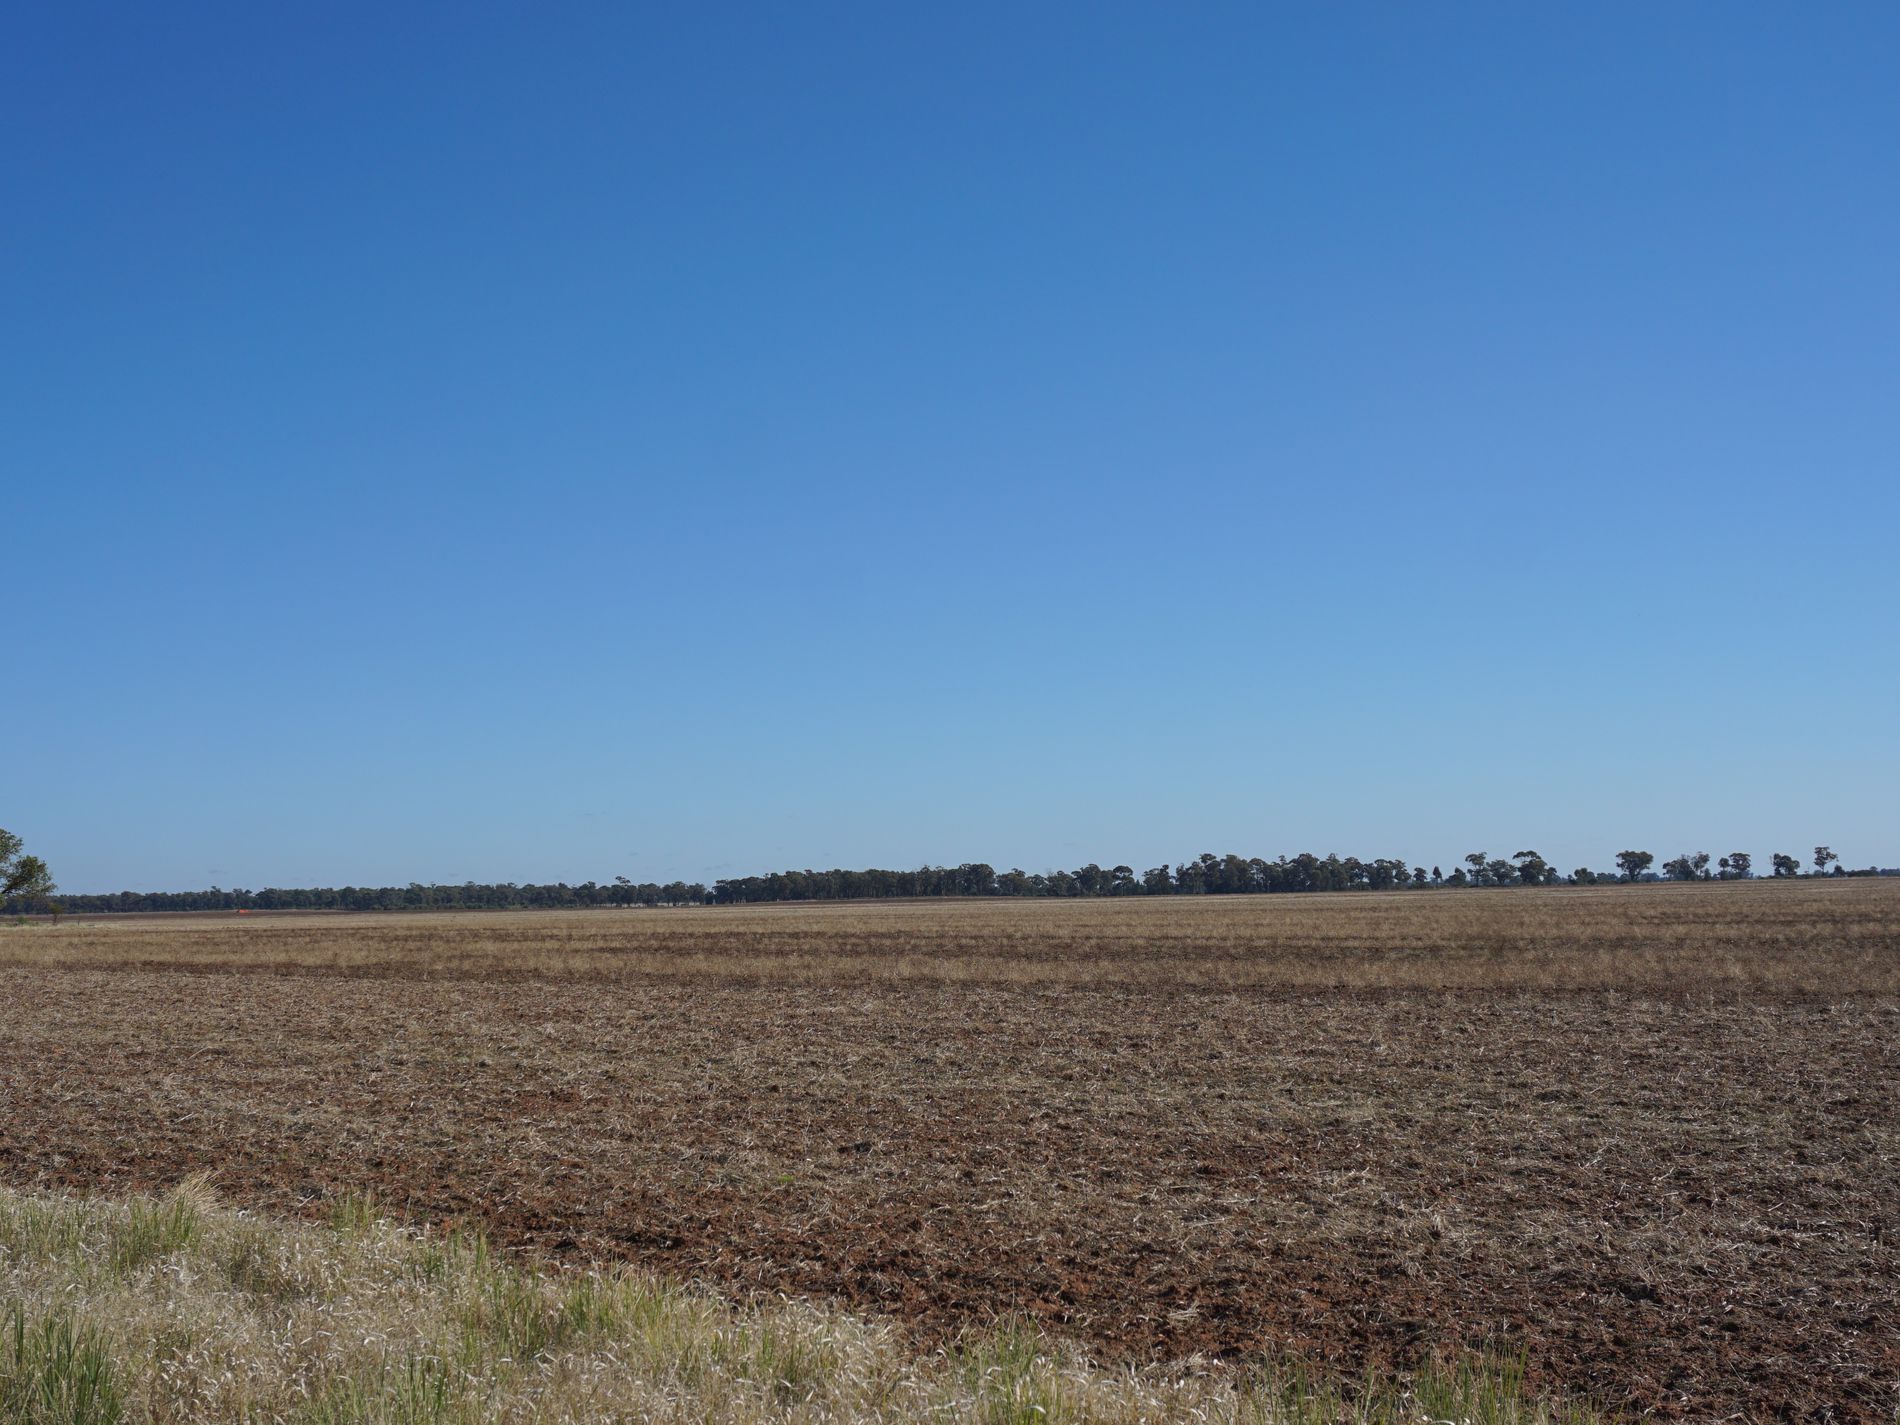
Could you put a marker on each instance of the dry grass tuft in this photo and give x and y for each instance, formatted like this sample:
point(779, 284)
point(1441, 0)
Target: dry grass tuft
point(176, 1309)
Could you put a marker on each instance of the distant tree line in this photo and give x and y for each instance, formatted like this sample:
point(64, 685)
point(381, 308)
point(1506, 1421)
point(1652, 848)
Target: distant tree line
point(1238, 875)
point(470, 895)
point(1207, 875)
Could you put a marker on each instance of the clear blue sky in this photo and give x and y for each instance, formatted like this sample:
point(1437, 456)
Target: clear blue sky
point(557, 442)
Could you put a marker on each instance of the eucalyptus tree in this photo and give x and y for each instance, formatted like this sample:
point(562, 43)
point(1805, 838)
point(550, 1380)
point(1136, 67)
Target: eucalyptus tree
point(1633, 864)
point(24, 879)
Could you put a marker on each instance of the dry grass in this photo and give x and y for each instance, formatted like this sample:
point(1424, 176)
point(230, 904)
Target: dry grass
point(1800, 937)
point(178, 1309)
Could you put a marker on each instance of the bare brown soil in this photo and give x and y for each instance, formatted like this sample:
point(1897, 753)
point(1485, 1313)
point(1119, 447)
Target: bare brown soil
point(1651, 1137)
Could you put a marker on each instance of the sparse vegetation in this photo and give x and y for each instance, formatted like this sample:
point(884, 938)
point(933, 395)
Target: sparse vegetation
point(54, 1374)
point(363, 1321)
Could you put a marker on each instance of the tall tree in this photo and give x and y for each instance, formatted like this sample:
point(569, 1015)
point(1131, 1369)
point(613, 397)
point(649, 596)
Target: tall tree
point(1822, 857)
point(1786, 865)
point(1634, 863)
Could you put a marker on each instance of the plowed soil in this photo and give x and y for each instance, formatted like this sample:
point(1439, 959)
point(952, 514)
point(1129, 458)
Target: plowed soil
point(1666, 1167)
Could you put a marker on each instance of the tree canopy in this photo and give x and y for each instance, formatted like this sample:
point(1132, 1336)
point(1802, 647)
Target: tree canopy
point(24, 879)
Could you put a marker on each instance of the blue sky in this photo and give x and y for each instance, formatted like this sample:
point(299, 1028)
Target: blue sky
point(560, 442)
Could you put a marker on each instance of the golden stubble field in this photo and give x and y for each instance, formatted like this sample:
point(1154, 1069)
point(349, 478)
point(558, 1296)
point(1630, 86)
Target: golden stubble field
point(1648, 1136)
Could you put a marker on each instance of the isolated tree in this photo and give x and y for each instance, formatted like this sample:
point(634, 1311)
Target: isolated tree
point(1438, 876)
point(1822, 856)
point(1740, 865)
point(1634, 863)
point(1786, 865)
point(22, 878)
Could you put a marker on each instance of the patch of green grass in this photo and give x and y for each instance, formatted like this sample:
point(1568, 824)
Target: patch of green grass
point(790, 1366)
point(52, 1373)
point(458, 1251)
point(1011, 1377)
point(355, 1212)
point(151, 1230)
point(1486, 1390)
point(418, 1391)
point(43, 1229)
point(524, 1316)
point(1293, 1395)
point(257, 1261)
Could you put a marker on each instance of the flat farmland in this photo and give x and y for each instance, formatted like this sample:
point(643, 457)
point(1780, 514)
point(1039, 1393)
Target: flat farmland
point(1647, 1136)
